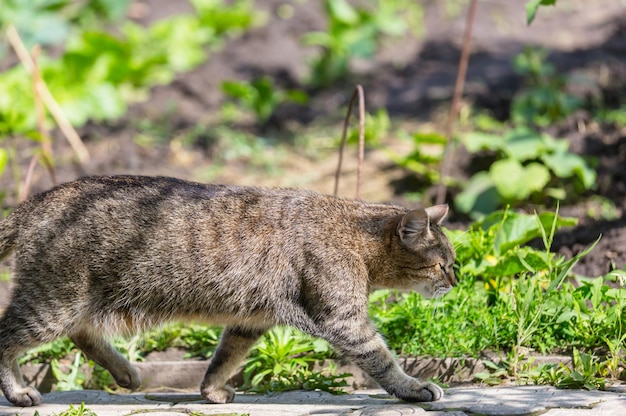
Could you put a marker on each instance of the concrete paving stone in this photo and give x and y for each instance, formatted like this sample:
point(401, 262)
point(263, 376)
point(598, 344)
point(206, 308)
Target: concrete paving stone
point(523, 400)
point(515, 400)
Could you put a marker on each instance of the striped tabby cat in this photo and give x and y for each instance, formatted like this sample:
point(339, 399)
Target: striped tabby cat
point(110, 255)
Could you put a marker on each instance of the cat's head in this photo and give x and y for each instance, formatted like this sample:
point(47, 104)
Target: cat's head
point(422, 253)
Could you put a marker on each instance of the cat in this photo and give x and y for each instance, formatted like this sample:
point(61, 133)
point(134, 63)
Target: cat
point(119, 254)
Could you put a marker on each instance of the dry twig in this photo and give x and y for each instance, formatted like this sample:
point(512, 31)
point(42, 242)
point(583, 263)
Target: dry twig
point(46, 144)
point(456, 101)
point(358, 92)
point(55, 110)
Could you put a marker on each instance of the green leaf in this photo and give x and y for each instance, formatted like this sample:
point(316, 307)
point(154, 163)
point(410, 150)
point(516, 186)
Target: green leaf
point(569, 265)
point(512, 229)
point(237, 89)
point(342, 11)
point(533, 5)
point(4, 158)
point(524, 144)
point(317, 39)
point(480, 195)
point(566, 165)
point(515, 182)
point(298, 96)
point(422, 137)
point(477, 141)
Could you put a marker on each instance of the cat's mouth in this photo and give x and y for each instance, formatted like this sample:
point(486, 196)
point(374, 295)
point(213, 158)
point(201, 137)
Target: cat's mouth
point(432, 293)
point(440, 291)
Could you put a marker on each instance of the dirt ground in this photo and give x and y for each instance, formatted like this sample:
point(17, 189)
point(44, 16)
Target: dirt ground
point(412, 78)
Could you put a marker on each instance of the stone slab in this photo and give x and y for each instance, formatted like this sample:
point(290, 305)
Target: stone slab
point(514, 400)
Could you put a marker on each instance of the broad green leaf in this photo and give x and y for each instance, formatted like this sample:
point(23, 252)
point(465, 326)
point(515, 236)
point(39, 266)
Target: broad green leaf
point(477, 141)
point(508, 178)
point(480, 195)
point(524, 144)
point(566, 165)
point(513, 229)
point(537, 177)
point(516, 182)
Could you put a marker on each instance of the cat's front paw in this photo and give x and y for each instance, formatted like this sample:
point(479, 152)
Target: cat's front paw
point(25, 397)
point(421, 392)
point(222, 395)
point(128, 378)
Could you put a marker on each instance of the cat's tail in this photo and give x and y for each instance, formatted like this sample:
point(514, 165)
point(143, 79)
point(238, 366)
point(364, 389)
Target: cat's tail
point(8, 236)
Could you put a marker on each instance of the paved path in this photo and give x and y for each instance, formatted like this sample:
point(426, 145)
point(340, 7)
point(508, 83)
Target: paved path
point(526, 400)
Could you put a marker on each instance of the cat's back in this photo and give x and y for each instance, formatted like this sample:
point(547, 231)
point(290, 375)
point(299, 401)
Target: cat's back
point(115, 196)
point(108, 207)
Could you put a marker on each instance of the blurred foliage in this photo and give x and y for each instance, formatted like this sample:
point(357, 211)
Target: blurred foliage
point(99, 73)
point(261, 97)
point(544, 99)
point(377, 127)
point(425, 156)
point(533, 5)
point(50, 22)
point(356, 32)
point(526, 162)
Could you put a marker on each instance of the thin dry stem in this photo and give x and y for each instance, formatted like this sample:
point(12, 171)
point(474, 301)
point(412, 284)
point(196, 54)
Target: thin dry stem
point(46, 144)
point(358, 92)
point(55, 110)
point(456, 100)
point(29, 178)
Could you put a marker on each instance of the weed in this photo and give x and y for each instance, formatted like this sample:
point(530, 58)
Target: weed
point(261, 97)
point(51, 22)
point(355, 32)
point(533, 5)
point(198, 340)
point(425, 156)
point(544, 100)
point(59, 348)
point(73, 380)
point(586, 373)
point(496, 374)
point(526, 163)
point(282, 361)
point(377, 127)
point(99, 73)
point(76, 411)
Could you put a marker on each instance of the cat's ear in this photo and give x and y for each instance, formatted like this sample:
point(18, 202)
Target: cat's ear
point(437, 213)
point(415, 224)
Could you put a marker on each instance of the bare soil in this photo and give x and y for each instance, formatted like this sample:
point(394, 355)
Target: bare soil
point(412, 78)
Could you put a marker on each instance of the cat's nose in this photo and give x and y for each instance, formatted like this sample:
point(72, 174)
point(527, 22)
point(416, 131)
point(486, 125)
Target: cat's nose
point(452, 278)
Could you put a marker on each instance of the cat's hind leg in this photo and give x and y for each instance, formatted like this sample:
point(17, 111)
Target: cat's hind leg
point(98, 349)
point(232, 349)
point(18, 334)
